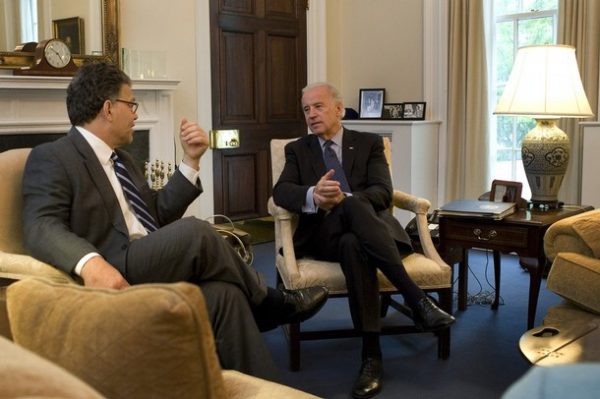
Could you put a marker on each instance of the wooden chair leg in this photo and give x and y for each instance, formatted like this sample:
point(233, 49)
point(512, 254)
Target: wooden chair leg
point(445, 302)
point(444, 343)
point(385, 302)
point(294, 346)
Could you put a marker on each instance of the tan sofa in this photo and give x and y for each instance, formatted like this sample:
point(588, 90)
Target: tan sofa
point(573, 246)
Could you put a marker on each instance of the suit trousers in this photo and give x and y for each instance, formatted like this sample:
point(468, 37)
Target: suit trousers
point(353, 235)
point(191, 250)
point(240, 345)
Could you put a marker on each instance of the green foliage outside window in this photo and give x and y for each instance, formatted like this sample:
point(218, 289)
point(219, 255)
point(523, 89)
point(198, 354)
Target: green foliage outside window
point(527, 22)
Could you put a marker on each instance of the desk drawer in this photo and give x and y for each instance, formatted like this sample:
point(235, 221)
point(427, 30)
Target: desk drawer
point(481, 233)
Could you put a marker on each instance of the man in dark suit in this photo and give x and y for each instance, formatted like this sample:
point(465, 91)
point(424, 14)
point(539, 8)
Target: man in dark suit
point(89, 211)
point(344, 217)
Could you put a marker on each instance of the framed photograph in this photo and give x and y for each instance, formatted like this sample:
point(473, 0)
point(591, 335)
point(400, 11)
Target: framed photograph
point(70, 30)
point(414, 111)
point(371, 103)
point(506, 191)
point(392, 111)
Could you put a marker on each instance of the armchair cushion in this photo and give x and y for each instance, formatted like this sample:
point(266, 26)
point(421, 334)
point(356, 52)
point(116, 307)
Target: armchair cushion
point(24, 374)
point(146, 341)
point(576, 278)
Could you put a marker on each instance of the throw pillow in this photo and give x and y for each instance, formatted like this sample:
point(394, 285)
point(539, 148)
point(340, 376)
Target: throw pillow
point(146, 341)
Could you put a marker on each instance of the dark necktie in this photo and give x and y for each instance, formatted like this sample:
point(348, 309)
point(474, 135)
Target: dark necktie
point(332, 162)
point(133, 195)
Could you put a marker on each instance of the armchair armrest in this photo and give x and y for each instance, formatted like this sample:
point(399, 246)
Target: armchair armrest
point(579, 233)
point(18, 267)
point(419, 206)
point(284, 244)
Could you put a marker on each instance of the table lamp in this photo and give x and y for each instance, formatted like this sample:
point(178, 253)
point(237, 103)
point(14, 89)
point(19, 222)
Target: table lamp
point(544, 84)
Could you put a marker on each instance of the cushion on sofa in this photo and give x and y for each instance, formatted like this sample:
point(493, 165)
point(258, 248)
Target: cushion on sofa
point(588, 228)
point(23, 374)
point(146, 341)
point(578, 233)
point(576, 278)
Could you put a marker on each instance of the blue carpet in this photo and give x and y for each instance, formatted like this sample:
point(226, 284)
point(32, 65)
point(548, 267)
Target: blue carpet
point(484, 358)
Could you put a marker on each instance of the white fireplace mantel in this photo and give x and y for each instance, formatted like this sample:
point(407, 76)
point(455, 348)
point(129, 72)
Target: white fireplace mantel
point(36, 104)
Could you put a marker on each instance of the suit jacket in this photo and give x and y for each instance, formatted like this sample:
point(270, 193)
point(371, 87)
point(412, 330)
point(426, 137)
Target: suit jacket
point(367, 172)
point(70, 209)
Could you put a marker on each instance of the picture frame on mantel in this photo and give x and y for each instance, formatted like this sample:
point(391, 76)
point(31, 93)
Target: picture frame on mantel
point(393, 111)
point(371, 103)
point(414, 111)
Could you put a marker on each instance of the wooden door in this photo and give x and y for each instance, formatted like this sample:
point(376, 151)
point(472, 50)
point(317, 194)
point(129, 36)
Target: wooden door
point(258, 61)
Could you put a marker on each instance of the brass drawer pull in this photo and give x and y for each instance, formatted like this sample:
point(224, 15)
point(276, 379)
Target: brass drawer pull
point(477, 233)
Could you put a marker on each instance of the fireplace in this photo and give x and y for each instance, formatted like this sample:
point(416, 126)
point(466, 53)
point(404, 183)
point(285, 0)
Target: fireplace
point(33, 111)
point(140, 148)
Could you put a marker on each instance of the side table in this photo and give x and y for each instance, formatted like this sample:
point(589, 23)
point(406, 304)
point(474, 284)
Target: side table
point(521, 232)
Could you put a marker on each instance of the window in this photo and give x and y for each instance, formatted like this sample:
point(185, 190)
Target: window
point(29, 21)
point(516, 23)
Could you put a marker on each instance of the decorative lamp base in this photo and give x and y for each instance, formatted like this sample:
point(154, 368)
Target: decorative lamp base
point(545, 154)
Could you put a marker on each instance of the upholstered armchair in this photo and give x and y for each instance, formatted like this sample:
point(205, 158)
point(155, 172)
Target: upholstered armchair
point(427, 269)
point(573, 246)
point(15, 263)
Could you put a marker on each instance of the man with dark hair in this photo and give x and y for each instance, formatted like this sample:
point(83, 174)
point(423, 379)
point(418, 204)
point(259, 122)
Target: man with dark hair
point(89, 211)
point(339, 182)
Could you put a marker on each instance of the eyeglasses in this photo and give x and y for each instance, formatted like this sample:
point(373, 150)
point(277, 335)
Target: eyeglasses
point(132, 104)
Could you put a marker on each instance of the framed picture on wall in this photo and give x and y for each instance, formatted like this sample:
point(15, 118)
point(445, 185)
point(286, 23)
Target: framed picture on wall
point(371, 103)
point(414, 111)
point(70, 30)
point(392, 111)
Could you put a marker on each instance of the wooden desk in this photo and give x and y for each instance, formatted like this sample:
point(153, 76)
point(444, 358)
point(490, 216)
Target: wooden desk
point(522, 233)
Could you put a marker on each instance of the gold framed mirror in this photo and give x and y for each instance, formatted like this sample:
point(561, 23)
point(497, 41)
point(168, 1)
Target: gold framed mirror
point(110, 42)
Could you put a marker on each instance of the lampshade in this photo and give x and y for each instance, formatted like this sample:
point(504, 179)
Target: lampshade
point(545, 82)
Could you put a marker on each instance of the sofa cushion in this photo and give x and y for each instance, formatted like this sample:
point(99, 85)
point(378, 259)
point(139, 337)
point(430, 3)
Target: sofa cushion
point(23, 374)
point(576, 278)
point(146, 341)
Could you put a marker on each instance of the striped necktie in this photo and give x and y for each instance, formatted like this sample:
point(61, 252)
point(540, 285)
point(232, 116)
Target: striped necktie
point(133, 195)
point(332, 162)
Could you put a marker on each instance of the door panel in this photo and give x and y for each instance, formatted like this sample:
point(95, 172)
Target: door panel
point(258, 63)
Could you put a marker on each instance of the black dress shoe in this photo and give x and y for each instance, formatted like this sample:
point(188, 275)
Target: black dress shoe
point(302, 304)
point(368, 383)
point(428, 317)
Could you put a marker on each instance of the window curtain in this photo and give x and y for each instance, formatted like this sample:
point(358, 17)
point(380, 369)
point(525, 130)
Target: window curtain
point(468, 110)
point(579, 26)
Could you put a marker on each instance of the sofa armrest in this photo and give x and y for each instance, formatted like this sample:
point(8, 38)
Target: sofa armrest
point(579, 233)
point(576, 278)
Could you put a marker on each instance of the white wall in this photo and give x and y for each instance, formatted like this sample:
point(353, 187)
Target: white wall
point(180, 30)
point(374, 44)
point(366, 47)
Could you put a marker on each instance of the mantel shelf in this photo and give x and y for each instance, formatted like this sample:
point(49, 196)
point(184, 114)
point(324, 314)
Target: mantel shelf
point(61, 82)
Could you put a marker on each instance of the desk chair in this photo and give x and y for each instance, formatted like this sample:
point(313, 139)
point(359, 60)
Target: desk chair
point(427, 269)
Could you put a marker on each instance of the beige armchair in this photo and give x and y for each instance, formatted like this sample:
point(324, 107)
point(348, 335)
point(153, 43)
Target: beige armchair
point(428, 270)
point(15, 264)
